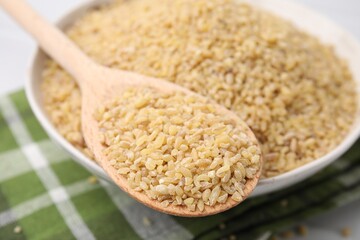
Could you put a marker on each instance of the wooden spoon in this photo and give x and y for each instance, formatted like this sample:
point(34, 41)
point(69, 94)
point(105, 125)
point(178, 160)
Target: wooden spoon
point(99, 84)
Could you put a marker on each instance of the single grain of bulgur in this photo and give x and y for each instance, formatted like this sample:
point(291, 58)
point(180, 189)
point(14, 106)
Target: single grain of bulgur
point(302, 230)
point(346, 232)
point(17, 229)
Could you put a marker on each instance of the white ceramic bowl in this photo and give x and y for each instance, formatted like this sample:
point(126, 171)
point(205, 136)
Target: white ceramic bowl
point(311, 22)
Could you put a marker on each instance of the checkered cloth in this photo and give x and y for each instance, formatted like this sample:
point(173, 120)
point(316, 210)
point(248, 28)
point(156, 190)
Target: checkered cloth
point(46, 195)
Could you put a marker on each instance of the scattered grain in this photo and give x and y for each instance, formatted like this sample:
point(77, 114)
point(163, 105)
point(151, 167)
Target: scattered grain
point(222, 226)
point(346, 232)
point(284, 203)
point(17, 229)
point(232, 237)
point(146, 221)
point(92, 180)
point(287, 234)
point(302, 230)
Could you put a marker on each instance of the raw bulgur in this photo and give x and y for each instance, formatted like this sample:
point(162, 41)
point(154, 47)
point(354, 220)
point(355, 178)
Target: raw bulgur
point(293, 91)
point(178, 149)
point(346, 232)
point(302, 230)
point(17, 229)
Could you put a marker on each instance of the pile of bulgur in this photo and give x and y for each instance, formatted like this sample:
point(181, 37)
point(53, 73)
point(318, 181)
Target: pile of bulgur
point(178, 149)
point(294, 92)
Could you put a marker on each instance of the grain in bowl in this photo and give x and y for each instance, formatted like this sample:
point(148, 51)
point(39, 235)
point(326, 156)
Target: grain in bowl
point(293, 91)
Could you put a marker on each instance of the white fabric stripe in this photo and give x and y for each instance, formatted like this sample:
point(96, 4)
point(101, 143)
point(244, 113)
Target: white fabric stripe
point(162, 226)
point(14, 122)
point(23, 166)
point(10, 170)
point(6, 218)
point(348, 197)
point(265, 236)
point(48, 178)
point(52, 152)
point(80, 187)
point(350, 178)
point(35, 204)
point(37, 160)
point(24, 209)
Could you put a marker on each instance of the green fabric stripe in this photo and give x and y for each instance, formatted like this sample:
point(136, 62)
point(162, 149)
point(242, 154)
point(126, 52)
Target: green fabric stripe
point(33, 126)
point(22, 188)
point(198, 225)
point(102, 216)
point(7, 232)
point(46, 223)
point(8, 155)
point(69, 172)
point(4, 205)
point(8, 141)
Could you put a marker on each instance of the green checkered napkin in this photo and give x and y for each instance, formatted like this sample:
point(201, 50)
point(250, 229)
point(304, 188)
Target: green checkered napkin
point(46, 195)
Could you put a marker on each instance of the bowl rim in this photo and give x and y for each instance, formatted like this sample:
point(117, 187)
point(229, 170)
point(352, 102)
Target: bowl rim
point(51, 130)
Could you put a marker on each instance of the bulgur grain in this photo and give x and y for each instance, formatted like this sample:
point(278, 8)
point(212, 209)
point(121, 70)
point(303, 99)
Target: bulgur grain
point(294, 92)
point(92, 180)
point(346, 232)
point(146, 222)
point(232, 237)
point(17, 229)
point(177, 177)
point(284, 203)
point(222, 226)
point(287, 234)
point(302, 230)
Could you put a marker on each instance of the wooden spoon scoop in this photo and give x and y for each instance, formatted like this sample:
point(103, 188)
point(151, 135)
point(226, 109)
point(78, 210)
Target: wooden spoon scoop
point(99, 84)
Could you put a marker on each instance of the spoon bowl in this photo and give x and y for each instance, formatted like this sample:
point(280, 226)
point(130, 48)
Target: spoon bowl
point(107, 85)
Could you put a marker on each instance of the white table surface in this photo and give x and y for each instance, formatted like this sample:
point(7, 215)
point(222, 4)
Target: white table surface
point(16, 48)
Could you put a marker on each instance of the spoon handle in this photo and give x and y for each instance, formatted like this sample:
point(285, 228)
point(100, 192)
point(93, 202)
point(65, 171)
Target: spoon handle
point(50, 38)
